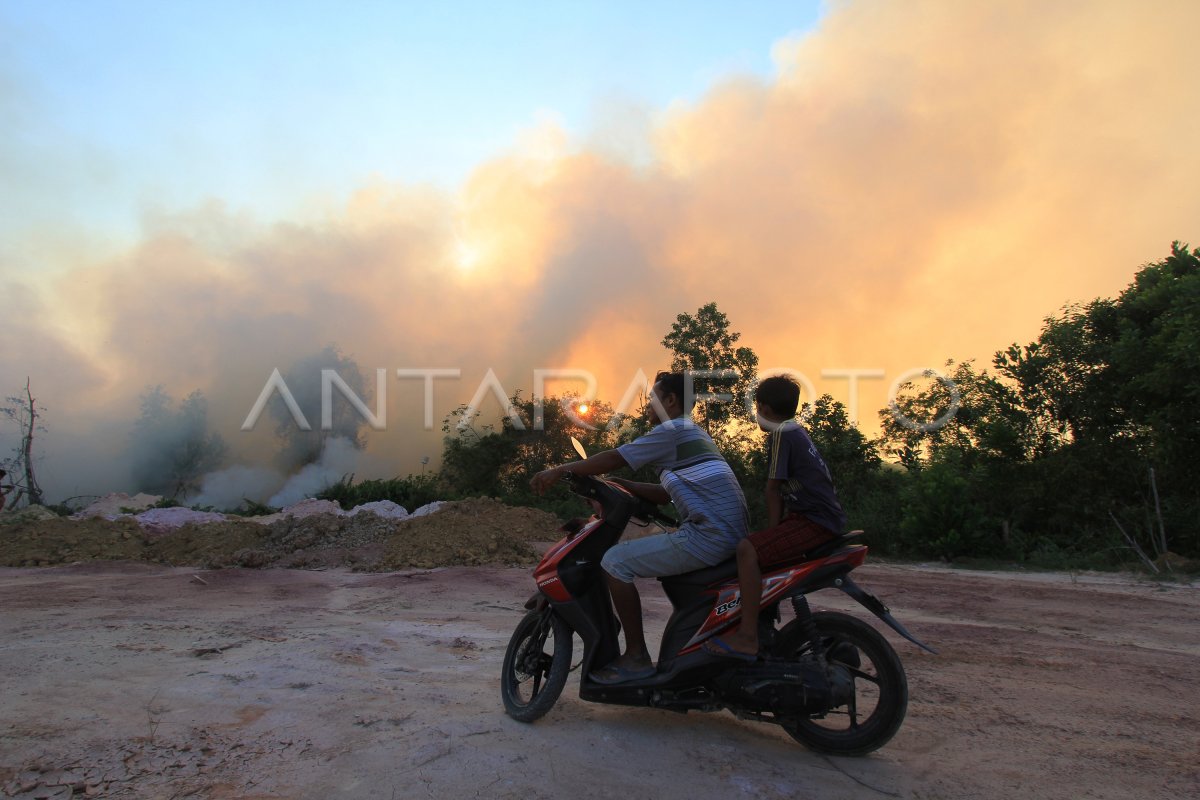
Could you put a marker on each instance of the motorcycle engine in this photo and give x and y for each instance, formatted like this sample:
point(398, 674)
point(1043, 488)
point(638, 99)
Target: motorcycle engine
point(802, 686)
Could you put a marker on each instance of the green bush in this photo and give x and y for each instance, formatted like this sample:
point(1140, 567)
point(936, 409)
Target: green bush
point(411, 492)
point(940, 520)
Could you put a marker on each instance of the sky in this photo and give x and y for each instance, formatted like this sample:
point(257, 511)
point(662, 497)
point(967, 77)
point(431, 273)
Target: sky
point(192, 195)
point(277, 108)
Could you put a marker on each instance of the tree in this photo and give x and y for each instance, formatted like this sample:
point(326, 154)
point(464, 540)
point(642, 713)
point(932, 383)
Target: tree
point(704, 342)
point(23, 411)
point(303, 379)
point(171, 447)
point(499, 461)
point(1117, 383)
point(1063, 439)
point(970, 412)
point(852, 458)
point(1154, 359)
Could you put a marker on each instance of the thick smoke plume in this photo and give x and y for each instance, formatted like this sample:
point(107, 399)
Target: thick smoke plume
point(232, 487)
point(338, 459)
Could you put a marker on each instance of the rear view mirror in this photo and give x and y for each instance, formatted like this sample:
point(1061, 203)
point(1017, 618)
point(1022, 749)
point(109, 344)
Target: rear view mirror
point(578, 447)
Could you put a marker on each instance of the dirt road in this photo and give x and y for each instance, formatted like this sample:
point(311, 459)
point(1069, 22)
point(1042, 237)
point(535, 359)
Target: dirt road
point(130, 680)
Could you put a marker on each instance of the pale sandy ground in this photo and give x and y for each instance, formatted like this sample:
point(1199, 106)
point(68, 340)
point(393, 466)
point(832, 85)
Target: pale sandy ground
point(138, 681)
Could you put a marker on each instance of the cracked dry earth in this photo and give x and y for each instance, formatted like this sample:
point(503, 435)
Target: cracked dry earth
point(135, 681)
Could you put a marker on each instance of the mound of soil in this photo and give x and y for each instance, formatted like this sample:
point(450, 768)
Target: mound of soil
point(36, 542)
point(466, 532)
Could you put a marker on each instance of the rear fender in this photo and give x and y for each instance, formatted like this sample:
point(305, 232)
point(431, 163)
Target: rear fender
point(876, 607)
point(841, 580)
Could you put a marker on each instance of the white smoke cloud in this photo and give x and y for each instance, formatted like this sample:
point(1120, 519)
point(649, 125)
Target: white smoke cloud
point(229, 488)
point(338, 458)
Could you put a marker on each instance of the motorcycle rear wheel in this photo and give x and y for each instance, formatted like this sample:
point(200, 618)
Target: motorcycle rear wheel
point(879, 699)
point(535, 666)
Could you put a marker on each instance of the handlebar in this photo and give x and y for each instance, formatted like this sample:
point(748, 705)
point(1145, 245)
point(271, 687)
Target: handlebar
point(591, 487)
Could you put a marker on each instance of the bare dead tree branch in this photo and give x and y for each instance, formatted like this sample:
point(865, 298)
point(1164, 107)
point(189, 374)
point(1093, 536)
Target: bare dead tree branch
point(1134, 544)
point(25, 413)
point(1161, 541)
point(32, 490)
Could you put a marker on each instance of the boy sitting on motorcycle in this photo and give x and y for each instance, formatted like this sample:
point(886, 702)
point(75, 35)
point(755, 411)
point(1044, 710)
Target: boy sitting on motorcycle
point(696, 478)
point(802, 509)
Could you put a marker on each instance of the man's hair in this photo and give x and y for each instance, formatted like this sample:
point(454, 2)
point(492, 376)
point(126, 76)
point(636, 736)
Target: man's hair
point(672, 383)
point(780, 393)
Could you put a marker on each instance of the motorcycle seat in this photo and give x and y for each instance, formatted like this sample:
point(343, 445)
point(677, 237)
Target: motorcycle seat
point(727, 570)
point(833, 544)
point(703, 577)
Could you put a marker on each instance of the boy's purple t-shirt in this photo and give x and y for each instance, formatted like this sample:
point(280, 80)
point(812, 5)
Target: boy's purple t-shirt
point(809, 489)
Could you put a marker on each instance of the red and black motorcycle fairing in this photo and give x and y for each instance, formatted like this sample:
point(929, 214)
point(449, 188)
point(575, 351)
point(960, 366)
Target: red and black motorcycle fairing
point(828, 567)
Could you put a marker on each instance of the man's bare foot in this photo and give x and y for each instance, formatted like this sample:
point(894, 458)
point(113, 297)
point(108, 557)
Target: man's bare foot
point(732, 646)
point(624, 669)
point(626, 661)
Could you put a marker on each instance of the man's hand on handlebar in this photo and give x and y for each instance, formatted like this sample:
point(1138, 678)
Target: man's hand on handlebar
point(595, 465)
point(547, 478)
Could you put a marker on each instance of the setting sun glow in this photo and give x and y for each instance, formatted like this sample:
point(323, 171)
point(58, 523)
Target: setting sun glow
point(466, 256)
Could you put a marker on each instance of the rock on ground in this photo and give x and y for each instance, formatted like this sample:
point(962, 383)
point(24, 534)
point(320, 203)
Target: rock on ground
point(381, 508)
point(163, 520)
point(114, 505)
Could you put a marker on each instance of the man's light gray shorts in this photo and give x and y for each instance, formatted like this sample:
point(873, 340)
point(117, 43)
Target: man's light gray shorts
point(650, 557)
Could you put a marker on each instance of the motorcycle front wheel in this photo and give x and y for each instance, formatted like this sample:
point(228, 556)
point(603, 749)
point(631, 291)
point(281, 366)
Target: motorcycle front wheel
point(877, 698)
point(536, 665)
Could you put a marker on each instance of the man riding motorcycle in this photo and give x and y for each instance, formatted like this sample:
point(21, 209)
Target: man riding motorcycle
point(695, 477)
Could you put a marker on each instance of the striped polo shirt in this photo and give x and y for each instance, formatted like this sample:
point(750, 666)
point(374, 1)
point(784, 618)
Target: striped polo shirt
point(711, 506)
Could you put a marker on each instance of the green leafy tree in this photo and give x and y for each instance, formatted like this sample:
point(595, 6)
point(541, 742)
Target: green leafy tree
point(704, 342)
point(1155, 355)
point(940, 517)
point(1115, 387)
point(1096, 420)
point(852, 458)
point(981, 442)
point(499, 459)
point(970, 411)
point(870, 491)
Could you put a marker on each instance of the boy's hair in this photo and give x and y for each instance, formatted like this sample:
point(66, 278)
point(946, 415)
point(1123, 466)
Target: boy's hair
point(780, 393)
point(673, 383)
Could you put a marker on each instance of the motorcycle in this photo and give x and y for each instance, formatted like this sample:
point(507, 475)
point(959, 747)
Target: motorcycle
point(830, 680)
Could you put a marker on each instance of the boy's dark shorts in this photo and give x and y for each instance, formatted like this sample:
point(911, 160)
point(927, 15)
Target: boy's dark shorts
point(788, 541)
